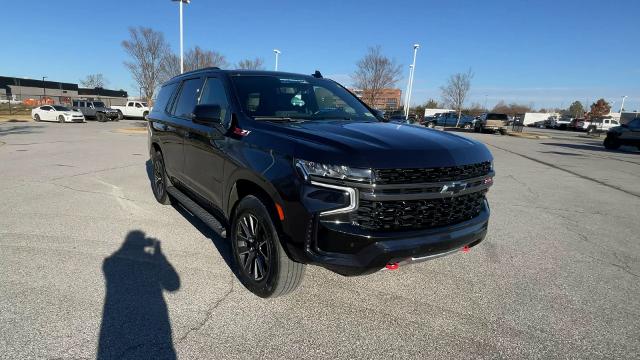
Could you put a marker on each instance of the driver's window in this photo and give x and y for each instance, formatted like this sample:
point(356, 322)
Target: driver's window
point(138, 105)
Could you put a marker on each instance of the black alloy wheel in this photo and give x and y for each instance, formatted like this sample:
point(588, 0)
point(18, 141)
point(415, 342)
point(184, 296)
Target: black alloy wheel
point(159, 181)
point(254, 247)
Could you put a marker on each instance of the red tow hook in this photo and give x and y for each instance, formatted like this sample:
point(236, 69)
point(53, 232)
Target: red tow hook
point(466, 249)
point(392, 266)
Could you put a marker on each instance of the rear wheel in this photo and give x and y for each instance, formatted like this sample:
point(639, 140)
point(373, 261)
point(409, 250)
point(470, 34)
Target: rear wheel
point(36, 118)
point(611, 143)
point(159, 181)
point(261, 263)
point(61, 119)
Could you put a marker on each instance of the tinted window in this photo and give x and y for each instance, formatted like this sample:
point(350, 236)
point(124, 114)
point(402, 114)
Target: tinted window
point(163, 97)
point(187, 99)
point(634, 124)
point(213, 94)
point(47, 108)
point(138, 105)
point(98, 104)
point(61, 108)
point(130, 104)
point(497, 117)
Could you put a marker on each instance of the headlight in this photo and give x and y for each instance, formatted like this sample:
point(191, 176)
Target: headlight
point(340, 172)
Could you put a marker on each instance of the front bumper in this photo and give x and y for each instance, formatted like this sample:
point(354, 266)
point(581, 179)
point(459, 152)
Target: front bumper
point(397, 247)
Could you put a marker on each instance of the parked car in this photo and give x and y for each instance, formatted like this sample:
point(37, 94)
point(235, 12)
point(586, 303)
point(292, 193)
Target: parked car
point(95, 110)
point(451, 120)
point(625, 134)
point(562, 123)
point(304, 173)
point(492, 122)
point(133, 109)
point(596, 125)
point(57, 113)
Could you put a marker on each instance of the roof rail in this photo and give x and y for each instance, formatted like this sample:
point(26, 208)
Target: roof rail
point(198, 70)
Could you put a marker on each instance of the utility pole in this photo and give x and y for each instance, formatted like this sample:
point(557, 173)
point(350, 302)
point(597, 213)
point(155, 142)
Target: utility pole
point(44, 90)
point(622, 106)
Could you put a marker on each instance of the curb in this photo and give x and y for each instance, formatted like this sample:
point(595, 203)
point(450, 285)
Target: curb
point(528, 136)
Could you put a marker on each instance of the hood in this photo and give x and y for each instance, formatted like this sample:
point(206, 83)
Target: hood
point(378, 144)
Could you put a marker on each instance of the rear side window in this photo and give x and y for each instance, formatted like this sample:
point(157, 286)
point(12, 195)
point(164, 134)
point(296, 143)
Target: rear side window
point(163, 97)
point(186, 102)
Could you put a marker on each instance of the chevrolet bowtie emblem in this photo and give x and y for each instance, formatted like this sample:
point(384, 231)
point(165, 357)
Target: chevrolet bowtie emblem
point(453, 188)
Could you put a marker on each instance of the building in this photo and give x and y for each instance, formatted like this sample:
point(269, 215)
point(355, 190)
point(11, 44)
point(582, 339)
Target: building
point(34, 92)
point(388, 99)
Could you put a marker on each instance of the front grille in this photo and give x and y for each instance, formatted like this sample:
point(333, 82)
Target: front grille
point(418, 214)
point(413, 176)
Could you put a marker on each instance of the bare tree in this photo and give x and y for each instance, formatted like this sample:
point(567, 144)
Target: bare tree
point(198, 58)
point(93, 81)
point(374, 73)
point(147, 48)
point(169, 66)
point(455, 92)
point(248, 64)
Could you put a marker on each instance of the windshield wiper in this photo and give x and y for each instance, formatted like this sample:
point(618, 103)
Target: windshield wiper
point(276, 118)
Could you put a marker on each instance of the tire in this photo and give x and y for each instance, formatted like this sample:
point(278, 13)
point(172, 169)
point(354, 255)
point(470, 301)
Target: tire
point(431, 125)
point(61, 119)
point(611, 143)
point(466, 126)
point(160, 180)
point(144, 115)
point(100, 117)
point(36, 118)
point(261, 263)
point(502, 131)
point(120, 115)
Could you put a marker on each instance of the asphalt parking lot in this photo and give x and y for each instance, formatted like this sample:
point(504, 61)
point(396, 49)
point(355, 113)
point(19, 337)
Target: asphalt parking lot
point(557, 276)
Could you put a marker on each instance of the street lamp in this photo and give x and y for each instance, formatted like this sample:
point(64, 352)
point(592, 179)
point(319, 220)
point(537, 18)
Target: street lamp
point(406, 93)
point(622, 105)
point(413, 72)
point(277, 52)
point(181, 38)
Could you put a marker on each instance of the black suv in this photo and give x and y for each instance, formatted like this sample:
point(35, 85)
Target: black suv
point(301, 171)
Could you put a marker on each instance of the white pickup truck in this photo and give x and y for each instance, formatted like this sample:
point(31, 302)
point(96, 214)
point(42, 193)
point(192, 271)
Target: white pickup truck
point(133, 109)
point(597, 125)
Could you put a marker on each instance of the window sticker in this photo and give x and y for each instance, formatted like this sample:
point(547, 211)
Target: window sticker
point(297, 100)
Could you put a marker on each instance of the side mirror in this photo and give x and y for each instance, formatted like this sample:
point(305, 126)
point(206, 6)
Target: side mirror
point(207, 114)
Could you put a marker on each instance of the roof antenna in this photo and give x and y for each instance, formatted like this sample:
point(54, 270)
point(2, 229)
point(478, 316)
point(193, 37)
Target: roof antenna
point(317, 75)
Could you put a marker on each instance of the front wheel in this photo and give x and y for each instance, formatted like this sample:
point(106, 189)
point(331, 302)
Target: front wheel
point(120, 115)
point(61, 119)
point(144, 115)
point(36, 118)
point(611, 143)
point(431, 125)
point(261, 263)
point(466, 126)
point(100, 117)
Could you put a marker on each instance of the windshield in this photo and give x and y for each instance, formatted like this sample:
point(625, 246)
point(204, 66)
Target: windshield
point(61, 108)
point(144, 104)
point(270, 96)
point(497, 117)
point(98, 104)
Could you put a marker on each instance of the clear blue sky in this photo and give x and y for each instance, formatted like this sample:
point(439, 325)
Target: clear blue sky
point(544, 52)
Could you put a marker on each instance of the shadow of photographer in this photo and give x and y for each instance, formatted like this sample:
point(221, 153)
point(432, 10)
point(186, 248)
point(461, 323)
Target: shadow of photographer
point(135, 320)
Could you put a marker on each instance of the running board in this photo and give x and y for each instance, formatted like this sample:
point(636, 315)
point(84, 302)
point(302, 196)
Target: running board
point(197, 210)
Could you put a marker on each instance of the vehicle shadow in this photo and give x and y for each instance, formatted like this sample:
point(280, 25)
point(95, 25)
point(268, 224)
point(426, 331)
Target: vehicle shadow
point(217, 236)
point(594, 147)
point(135, 321)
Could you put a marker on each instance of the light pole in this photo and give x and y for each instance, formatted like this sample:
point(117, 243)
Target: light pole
point(44, 90)
point(485, 103)
point(181, 37)
point(622, 105)
point(277, 52)
point(413, 72)
point(406, 93)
